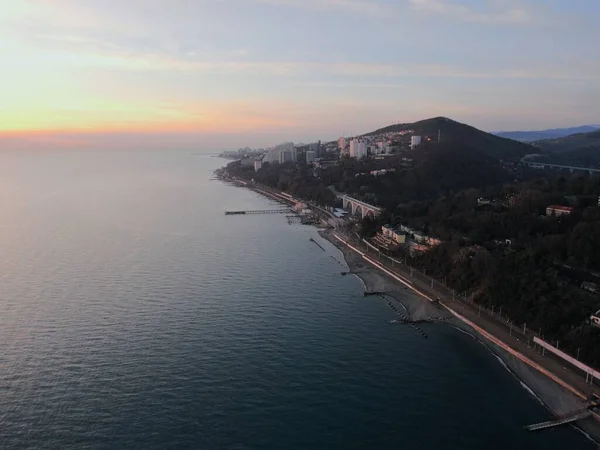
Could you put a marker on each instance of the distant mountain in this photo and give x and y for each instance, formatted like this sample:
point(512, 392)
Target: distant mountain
point(530, 136)
point(460, 134)
point(571, 143)
point(581, 149)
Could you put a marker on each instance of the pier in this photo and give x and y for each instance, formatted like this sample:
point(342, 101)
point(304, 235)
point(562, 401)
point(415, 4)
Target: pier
point(258, 211)
point(584, 413)
point(317, 244)
point(561, 420)
point(418, 321)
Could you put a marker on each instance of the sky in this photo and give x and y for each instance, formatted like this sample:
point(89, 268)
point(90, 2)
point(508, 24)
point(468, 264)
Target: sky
point(215, 74)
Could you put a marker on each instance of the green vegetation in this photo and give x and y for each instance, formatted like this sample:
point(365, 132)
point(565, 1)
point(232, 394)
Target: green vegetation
point(576, 150)
point(295, 179)
point(510, 256)
point(461, 134)
point(502, 250)
point(434, 171)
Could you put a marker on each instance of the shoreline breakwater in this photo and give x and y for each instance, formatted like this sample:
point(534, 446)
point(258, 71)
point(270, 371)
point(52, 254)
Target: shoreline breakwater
point(557, 395)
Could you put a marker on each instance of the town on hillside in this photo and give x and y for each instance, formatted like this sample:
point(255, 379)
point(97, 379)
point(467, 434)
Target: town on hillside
point(463, 206)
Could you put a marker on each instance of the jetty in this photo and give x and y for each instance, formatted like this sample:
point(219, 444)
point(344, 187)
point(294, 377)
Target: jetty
point(406, 321)
point(258, 211)
point(372, 293)
point(561, 420)
point(583, 413)
point(317, 244)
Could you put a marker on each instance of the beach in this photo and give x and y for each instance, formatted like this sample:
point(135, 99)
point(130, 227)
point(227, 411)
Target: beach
point(553, 396)
point(559, 389)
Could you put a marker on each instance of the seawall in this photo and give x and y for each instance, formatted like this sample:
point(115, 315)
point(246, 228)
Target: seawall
point(555, 394)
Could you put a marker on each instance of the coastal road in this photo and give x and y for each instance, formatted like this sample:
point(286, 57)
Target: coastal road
point(496, 331)
point(493, 330)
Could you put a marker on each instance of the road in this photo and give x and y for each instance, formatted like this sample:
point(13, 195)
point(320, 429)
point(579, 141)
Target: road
point(497, 331)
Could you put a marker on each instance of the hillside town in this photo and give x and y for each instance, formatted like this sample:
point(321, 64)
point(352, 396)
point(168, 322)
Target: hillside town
point(376, 145)
point(410, 192)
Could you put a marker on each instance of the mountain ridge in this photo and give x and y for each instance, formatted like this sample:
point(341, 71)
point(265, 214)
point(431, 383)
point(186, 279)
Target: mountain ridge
point(552, 133)
point(461, 134)
point(582, 149)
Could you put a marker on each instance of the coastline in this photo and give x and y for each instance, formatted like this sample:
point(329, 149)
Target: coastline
point(554, 397)
point(552, 392)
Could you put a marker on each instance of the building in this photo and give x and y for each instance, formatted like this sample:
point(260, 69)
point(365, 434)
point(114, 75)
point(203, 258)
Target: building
point(415, 141)
point(316, 148)
point(342, 144)
point(287, 155)
point(377, 173)
point(419, 237)
point(298, 207)
point(416, 248)
point(393, 234)
point(557, 210)
point(310, 157)
point(257, 165)
point(589, 286)
point(433, 242)
point(399, 238)
point(247, 162)
point(274, 155)
point(339, 212)
point(358, 149)
point(382, 148)
point(387, 230)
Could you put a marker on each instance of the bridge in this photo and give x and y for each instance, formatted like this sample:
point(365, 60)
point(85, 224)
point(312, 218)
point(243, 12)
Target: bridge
point(356, 206)
point(542, 165)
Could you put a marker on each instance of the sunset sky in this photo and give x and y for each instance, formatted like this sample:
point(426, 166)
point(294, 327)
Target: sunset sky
point(212, 74)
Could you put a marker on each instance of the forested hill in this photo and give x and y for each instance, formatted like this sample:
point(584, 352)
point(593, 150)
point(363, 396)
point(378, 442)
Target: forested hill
point(571, 143)
point(433, 171)
point(577, 150)
point(462, 134)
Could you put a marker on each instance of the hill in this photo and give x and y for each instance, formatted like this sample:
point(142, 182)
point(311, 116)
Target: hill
point(571, 143)
point(578, 149)
point(457, 133)
point(435, 170)
point(530, 136)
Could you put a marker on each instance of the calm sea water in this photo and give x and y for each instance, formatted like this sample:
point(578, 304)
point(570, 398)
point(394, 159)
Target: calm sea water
point(134, 314)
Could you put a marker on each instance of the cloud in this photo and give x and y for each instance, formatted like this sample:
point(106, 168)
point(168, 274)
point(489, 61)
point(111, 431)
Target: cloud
point(490, 13)
point(92, 54)
point(354, 6)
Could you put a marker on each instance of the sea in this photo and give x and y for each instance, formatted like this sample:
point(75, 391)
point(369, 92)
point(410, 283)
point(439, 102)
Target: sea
point(135, 315)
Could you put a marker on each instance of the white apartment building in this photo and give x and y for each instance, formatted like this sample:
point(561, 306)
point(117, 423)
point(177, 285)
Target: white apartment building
point(382, 148)
point(415, 141)
point(274, 154)
point(358, 149)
